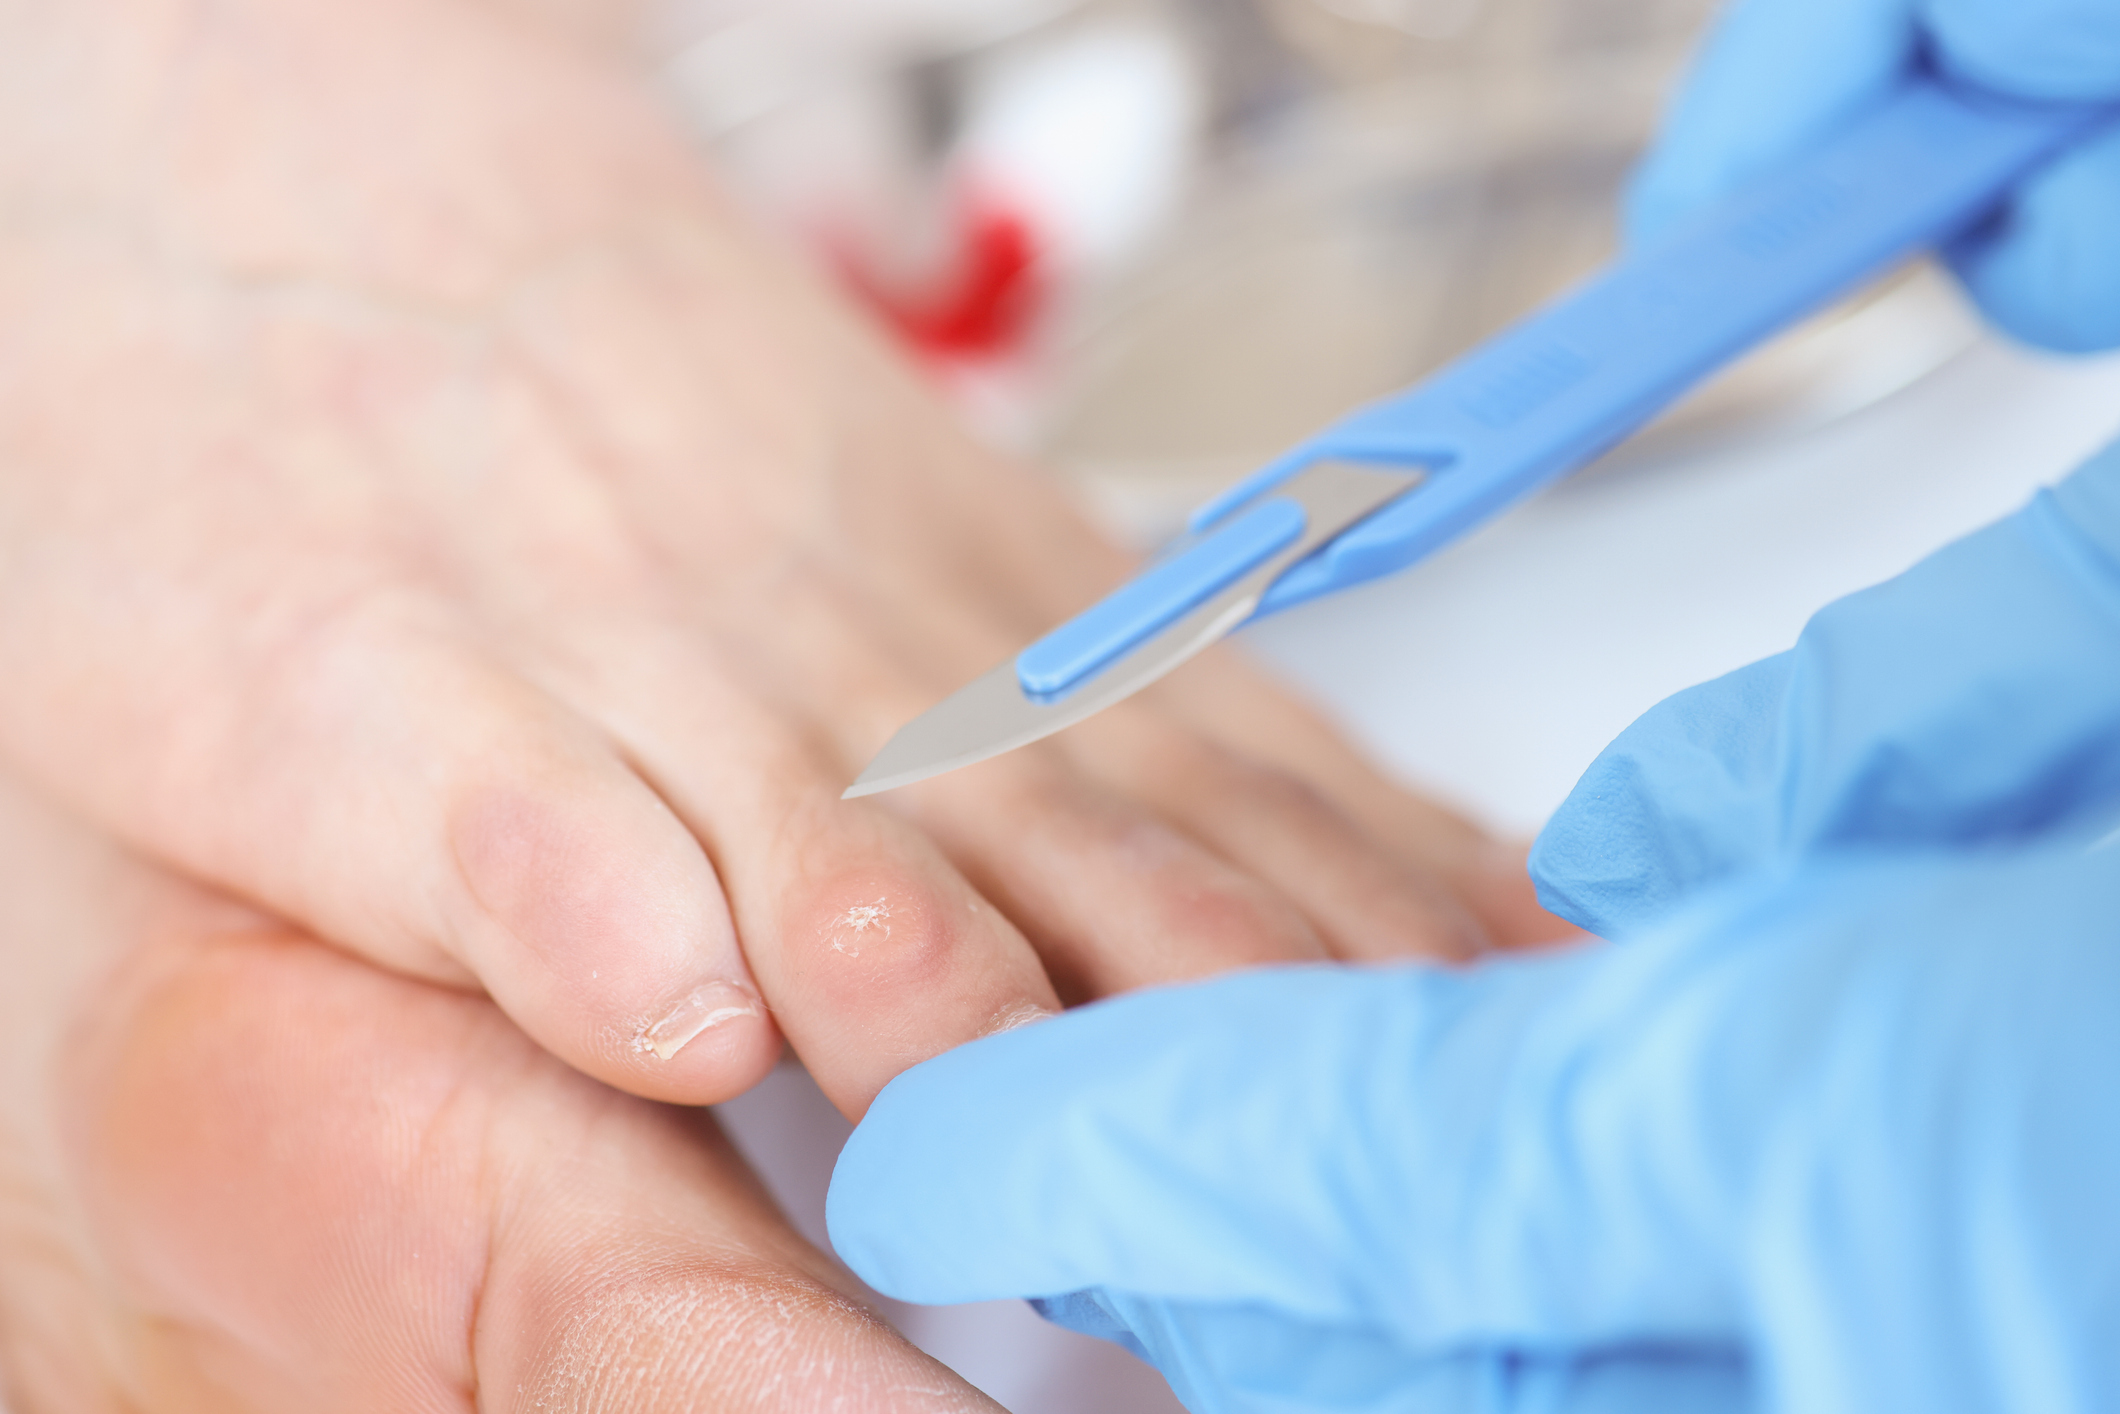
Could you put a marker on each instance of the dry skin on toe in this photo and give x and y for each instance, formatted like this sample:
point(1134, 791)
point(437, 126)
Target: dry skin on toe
point(855, 927)
point(873, 971)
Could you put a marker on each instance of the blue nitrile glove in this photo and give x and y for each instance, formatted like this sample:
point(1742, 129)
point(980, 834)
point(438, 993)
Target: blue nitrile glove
point(1777, 74)
point(1842, 1138)
point(1973, 700)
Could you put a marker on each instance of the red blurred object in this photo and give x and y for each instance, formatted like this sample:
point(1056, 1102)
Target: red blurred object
point(982, 301)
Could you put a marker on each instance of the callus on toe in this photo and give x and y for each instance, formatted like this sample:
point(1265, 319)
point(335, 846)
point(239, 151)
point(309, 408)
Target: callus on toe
point(881, 968)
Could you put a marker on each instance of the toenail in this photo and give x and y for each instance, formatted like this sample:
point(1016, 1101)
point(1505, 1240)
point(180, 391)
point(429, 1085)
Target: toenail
point(701, 1010)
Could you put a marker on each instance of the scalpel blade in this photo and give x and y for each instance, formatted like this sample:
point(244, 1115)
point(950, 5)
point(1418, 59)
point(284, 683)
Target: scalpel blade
point(994, 714)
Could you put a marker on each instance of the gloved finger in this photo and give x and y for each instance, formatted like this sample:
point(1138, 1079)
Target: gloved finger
point(1777, 76)
point(1975, 698)
point(1772, 78)
point(1735, 1123)
point(2055, 50)
point(1340, 1144)
point(2042, 269)
point(1220, 1360)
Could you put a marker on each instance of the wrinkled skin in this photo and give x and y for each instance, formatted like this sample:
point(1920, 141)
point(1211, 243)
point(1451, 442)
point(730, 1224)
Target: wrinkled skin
point(240, 1171)
point(428, 516)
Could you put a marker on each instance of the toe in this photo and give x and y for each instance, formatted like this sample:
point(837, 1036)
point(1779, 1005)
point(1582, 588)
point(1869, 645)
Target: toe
point(400, 790)
point(872, 951)
point(1112, 895)
point(1365, 901)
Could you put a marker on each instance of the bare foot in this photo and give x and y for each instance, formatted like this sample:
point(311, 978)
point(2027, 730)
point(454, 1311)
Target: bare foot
point(427, 513)
point(240, 1171)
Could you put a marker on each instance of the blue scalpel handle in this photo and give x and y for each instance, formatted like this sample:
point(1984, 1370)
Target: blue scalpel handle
point(1403, 477)
point(1562, 387)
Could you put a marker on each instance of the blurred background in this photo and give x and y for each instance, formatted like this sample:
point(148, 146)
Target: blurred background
point(1151, 243)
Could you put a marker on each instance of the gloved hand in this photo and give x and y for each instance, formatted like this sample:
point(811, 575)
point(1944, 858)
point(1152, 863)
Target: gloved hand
point(1838, 1139)
point(1830, 1131)
point(1973, 701)
point(1777, 74)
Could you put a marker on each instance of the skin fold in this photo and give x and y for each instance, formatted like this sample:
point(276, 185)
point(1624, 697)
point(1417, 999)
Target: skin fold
point(244, 1172)
point(428, 513)
point(432, 523)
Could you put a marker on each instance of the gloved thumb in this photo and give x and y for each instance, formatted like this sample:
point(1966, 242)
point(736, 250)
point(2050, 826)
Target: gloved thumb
point(1840, 1126)
point(1337, 1144)
point(1973, 700)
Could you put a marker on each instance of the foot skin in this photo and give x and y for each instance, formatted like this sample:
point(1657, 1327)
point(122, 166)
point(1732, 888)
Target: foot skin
point(241, 1172)
point(428, 513)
